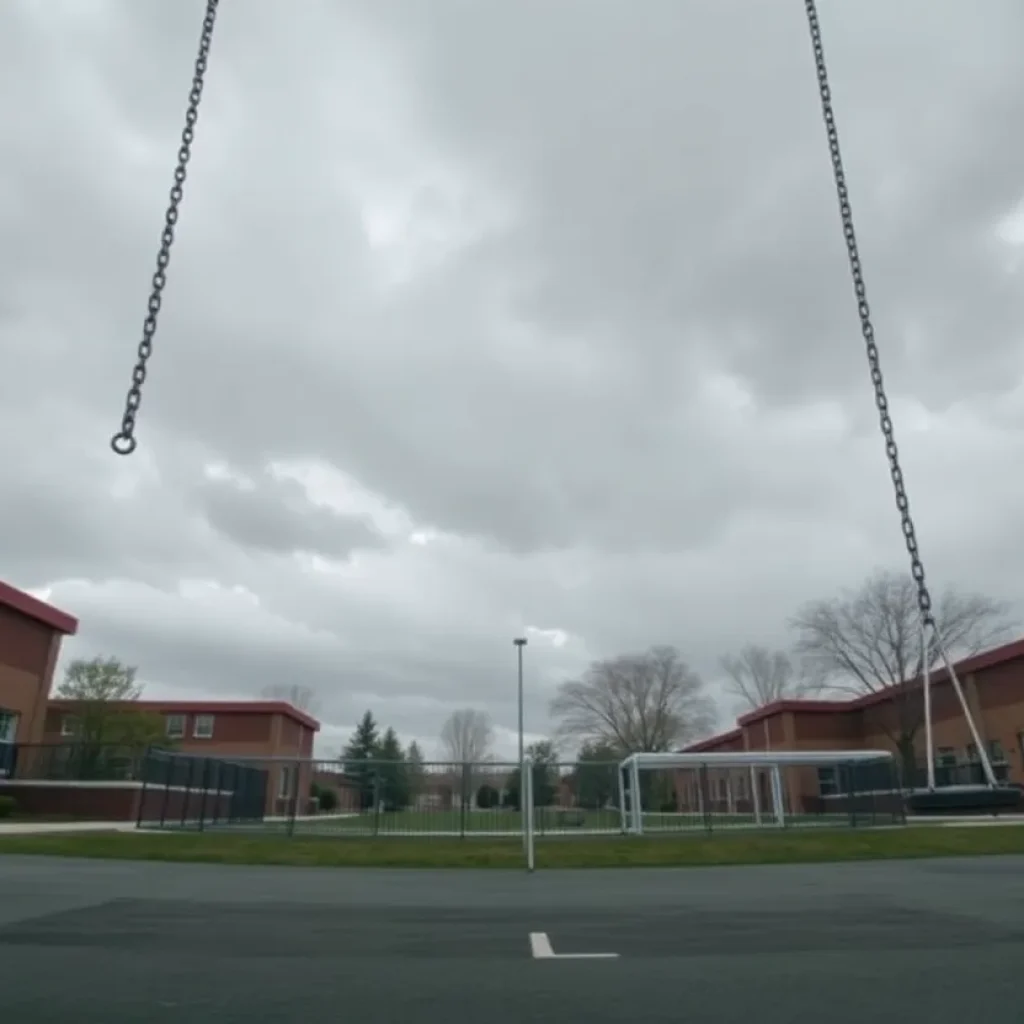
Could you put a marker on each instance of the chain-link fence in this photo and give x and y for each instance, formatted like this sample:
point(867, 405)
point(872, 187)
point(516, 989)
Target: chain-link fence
point(454, 799)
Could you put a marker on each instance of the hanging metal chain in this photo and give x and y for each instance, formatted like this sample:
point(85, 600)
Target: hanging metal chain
point(124, 441)
point(924, 599)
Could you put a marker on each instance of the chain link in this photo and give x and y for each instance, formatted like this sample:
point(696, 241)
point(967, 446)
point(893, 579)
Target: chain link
point(124, 441)
point(924, 599)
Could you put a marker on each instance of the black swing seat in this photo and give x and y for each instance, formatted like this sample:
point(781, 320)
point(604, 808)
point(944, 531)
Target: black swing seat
point(965, 800)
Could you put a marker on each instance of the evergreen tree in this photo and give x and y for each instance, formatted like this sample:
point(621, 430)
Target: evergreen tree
point(392, 783)
point(545, 777)
point(595, 777)
point(358, 757)
point(545, 773)
point(415, 773)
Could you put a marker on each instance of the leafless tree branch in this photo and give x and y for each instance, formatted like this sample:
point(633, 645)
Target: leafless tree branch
point(467, 735)
point(869, 640)
point(304, 698)
point(758, 676)
point(635, 702)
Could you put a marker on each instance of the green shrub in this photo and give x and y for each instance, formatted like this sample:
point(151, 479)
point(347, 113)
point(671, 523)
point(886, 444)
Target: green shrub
point(7, 806)
point(328, 799)
point(487, 797)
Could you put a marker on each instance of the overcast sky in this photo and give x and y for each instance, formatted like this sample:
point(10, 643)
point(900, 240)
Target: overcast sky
point(491, 317)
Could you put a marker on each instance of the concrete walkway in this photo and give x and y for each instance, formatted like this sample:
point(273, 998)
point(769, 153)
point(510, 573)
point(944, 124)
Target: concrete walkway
point(35, 828)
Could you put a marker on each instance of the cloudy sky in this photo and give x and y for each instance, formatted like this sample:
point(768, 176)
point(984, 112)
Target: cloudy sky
point(492, 317)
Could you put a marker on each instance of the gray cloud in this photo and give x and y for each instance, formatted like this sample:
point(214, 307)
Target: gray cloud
point(514, 314)
point(277, 517)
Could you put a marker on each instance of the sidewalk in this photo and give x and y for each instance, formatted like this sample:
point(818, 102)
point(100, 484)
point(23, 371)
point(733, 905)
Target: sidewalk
point(34, 828)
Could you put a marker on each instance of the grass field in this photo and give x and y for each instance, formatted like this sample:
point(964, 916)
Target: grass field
point(815, 845)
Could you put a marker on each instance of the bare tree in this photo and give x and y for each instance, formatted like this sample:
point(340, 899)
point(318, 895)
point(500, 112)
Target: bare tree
point(759, 676)
point(304, 698)
point(869, 640)
point(467, 735)
point(635, 702)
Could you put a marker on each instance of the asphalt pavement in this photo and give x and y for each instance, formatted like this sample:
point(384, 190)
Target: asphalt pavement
point(110, 941)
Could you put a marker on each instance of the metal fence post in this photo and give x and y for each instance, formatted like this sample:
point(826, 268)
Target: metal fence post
point(704, 791)
point(847, 771)
point(464, 799)
point(167, 789)
point(205, 783)
point(187, 797)
point(218, 766)
point(376, 803)
point(144, 772)
point(294, 798)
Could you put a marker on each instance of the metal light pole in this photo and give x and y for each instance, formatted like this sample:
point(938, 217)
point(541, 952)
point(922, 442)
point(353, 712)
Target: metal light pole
point(520, 643)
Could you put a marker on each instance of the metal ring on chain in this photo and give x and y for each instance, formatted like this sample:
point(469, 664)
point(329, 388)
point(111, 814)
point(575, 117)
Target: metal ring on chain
point(124, 441)
point(924, 599)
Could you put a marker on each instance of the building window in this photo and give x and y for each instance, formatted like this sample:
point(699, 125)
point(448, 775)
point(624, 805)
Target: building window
point(8, 726)
point(284, 783)
point(70, 725)
point(828, 781)
point(203, 729)
point(175, 727)
point(996, 753)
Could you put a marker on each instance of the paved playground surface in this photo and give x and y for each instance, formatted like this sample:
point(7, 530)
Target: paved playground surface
point(885, 941)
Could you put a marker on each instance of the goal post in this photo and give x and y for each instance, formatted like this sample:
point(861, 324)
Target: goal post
point(741, 788)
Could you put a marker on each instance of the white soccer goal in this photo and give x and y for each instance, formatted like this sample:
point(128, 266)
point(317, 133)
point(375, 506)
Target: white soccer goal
point(742, 788)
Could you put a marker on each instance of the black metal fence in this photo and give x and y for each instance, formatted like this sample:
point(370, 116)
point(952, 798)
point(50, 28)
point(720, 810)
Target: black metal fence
point(378, 798)
point(189, 791)
point(73, 762)
point(481, 800)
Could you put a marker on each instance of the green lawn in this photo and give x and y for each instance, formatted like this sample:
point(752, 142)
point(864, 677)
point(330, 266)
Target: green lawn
point(815, 845)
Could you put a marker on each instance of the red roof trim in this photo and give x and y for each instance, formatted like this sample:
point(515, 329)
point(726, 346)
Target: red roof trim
point(714, 741)
point(214, 707)
point(975, 663)
point(803, 706)
point(33, 608)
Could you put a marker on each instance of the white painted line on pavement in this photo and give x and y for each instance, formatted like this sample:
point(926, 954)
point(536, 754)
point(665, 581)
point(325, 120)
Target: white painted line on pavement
point(540, 947)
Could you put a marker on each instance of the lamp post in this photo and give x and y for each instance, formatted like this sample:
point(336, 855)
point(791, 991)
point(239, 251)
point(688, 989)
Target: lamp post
point(520, 643)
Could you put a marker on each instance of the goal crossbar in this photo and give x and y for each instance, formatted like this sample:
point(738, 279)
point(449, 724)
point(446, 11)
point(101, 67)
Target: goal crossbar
point(745, 758)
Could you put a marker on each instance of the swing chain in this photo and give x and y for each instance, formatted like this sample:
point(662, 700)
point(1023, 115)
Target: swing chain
point(124, 441)
point(924, 599)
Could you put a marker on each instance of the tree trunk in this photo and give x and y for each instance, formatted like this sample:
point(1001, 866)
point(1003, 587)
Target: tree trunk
point(908, 760)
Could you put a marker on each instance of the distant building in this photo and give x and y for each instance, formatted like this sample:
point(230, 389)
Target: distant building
point(39, 764)
point(271, 735)
point(993, 684)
